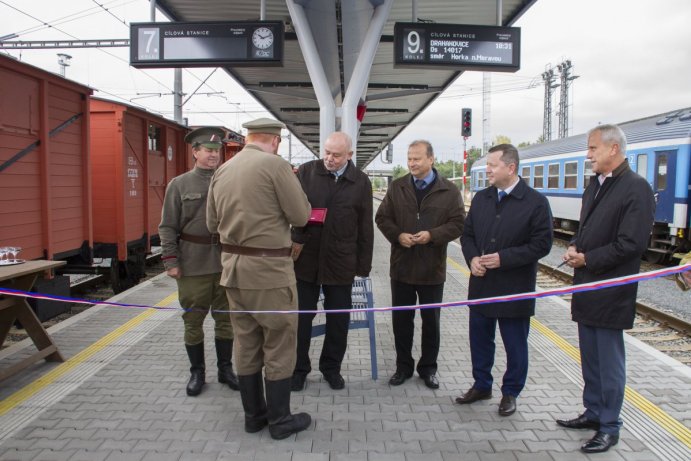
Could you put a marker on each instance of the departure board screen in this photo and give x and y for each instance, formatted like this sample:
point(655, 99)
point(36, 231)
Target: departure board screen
point(197, 44)
point(465, 47)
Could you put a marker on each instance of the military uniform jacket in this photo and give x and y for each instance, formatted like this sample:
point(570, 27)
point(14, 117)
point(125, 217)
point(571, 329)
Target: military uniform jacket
point(184, 211)
point(335, 252)
point(254, 198)
point(614, 229)
point(519, 228)
point(441, 212)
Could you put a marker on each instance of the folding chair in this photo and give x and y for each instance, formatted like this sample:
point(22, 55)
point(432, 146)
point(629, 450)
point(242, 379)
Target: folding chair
point(362, 298)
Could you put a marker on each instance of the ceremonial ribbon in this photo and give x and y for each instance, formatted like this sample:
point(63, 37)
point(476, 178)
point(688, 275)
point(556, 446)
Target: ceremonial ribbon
point(571, 289)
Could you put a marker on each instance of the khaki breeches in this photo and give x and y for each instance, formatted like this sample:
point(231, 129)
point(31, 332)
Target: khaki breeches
point(201, 293)
point(264, 340)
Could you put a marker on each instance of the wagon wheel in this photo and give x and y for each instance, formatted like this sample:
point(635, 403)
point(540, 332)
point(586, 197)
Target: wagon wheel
point(120, 278)
point(654, 257)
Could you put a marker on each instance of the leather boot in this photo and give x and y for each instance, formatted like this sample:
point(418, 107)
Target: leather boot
point(197, 370)
point(252, 394)
point(224, 355)
point(281, 423)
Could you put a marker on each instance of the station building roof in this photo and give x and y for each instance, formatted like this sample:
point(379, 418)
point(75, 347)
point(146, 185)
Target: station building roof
point(394, 97)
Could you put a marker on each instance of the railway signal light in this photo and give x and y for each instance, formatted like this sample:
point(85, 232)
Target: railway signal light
point(466, 122)
point(388, 156)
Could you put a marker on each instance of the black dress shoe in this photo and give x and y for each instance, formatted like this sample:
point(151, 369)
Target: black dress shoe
point(473, 395)
point(579, 423)
point(335, 381)
point(431, 381)
point(399, 378)
point(600, 443)
point(297, 382)
point(507, 406)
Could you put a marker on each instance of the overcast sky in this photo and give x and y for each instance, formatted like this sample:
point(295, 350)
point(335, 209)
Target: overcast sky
point(632, 59)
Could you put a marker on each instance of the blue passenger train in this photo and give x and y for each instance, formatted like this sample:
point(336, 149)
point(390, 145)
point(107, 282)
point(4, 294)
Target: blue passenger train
point(659, 149)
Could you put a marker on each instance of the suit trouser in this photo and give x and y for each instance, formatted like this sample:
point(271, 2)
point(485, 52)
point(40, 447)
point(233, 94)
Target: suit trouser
point(264, 340)
point(514, 334)
point(199, 294)
point(336, 336)
point(603, 362)
point(403, 321)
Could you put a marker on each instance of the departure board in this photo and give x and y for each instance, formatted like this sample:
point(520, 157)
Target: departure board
point(465, 47)
point(204, 44)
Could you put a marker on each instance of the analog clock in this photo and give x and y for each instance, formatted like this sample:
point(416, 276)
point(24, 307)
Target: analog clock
point(262, 38)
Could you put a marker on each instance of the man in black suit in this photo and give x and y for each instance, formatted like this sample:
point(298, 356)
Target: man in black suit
point(508, 229)
point(616, 218)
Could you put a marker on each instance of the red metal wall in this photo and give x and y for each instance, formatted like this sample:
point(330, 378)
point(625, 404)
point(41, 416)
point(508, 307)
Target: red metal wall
point(45, 195)
point(131, 171)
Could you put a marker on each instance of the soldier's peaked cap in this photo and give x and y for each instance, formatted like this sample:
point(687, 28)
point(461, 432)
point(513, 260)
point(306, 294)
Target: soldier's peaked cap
point(264, 125)
point(209, 136)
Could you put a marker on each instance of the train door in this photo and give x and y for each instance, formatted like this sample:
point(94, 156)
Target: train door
point(664, 185)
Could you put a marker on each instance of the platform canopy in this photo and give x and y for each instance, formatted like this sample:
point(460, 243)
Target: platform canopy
point(325, 41)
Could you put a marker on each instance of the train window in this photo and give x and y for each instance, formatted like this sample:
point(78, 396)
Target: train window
point(539, 176)
point(479, 180)
point(642, 165)
point(571, 175)
point(587, 173)
point(525, 174)
point(661, 173)
point(155, 138)
point(553, 176)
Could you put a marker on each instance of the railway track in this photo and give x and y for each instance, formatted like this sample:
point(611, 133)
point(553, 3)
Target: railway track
point(663, 331)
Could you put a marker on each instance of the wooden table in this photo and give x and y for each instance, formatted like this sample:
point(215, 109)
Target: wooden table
point(22, 277)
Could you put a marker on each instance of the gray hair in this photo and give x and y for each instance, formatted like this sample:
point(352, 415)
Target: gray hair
point(509, 153)
point(343, 137)
point(611, 134)
point(423, 142)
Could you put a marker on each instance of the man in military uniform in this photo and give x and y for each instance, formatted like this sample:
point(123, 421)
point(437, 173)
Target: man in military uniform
point(192, 256)
point(254, 198)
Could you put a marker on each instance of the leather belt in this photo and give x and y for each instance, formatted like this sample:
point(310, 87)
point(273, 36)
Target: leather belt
point(250, 251)
point(212, 239)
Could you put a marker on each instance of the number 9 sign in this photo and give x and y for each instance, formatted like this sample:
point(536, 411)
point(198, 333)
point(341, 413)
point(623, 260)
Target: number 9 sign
point(414, 45)
point(413, 42)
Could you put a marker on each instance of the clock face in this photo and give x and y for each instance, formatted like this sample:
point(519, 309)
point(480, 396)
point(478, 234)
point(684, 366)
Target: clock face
point(262, 38)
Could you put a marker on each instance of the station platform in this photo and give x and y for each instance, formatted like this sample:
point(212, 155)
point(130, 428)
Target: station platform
point(120, 395)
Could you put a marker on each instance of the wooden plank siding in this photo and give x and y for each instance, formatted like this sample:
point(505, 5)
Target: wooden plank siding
point(43, 201)
point(129, 180)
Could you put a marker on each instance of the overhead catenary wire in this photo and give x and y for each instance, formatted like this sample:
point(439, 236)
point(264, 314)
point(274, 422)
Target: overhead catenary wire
point(99, 9)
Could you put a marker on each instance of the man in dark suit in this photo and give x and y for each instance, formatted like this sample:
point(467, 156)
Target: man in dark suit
point(508, 229)
point(420, 214)
point(616, 218)
point(329, 254)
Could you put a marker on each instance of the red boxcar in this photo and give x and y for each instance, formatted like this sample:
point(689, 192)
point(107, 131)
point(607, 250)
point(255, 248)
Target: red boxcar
point(134, 155)
point(45, 186)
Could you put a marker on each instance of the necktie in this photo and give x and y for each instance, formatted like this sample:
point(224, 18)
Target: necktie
point(501, 195)
point(335, 176)
point(420, 183)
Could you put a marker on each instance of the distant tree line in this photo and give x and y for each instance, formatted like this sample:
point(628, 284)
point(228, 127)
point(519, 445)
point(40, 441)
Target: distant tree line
point(446, 169)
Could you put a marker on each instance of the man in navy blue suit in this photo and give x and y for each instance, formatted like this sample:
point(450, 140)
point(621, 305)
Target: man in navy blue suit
point(616, 218)
point(507, 230)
